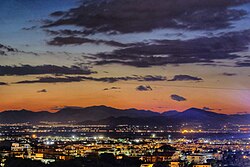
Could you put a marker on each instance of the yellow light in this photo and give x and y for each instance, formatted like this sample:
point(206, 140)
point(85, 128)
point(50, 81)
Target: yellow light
point(34, 136)
point(184, 131)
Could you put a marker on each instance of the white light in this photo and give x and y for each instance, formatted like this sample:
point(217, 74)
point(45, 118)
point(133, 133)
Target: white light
point(137, 140)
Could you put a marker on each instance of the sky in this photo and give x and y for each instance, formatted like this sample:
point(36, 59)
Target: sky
point(160, 56)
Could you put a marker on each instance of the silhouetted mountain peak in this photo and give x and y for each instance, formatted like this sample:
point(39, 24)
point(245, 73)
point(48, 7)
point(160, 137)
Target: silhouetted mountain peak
point(75, 108)
point(193, 109)
point(18, 111)
point(170, 113)
point(105, 114)
point(199, 111)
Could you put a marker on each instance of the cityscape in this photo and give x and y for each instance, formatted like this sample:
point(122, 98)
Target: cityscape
point(124, 142)
point(124, 83)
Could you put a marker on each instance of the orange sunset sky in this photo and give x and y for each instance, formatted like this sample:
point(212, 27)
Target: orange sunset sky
point(125, 55)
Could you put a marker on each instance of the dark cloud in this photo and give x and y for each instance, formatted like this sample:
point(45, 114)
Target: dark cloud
point(112, 88)
point(67, 32)
point(126, 16)
point(43, 69)
point(185, 78)
point(84, 78)
point(153, 78)
point(8, 50)
point(4, 50)
point(144, 88)
point(42, 91)
point(229, 74)
point(178, 98)
point(29, 28)
point(57, 14)
point(111, 79)
point(60, 41)
point(161, 52)
point(146, 78)
point(51, 80)
point(242, 64)
point(208, 64)
point(3, 83)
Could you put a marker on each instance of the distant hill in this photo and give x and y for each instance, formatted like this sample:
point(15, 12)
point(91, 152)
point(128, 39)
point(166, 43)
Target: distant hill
point(208, 117)
point(113, 116)
point(199, 115)
point(76, 114)
point(170, 113)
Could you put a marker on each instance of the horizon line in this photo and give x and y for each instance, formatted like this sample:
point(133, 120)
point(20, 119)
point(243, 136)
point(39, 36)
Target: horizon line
point(81, 107)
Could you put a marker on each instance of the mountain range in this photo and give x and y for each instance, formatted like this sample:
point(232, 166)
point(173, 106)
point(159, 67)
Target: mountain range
point(113, 116)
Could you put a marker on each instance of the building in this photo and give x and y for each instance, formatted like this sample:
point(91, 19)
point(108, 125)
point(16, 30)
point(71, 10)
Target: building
point(203, 165)
point(147, 165)
point(196, 158)
point(177, 164)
